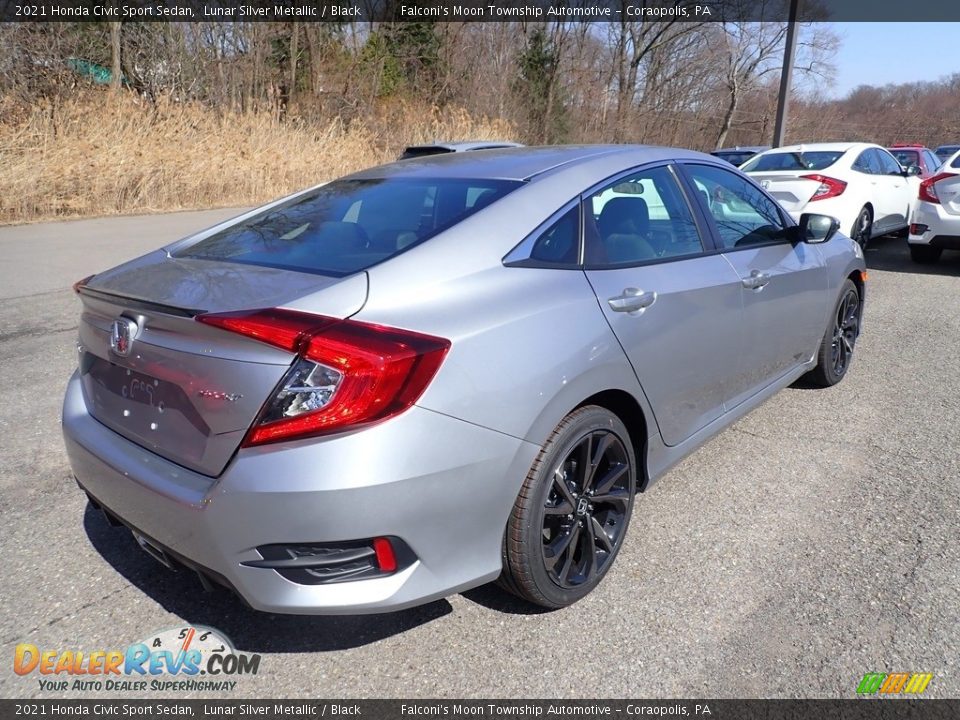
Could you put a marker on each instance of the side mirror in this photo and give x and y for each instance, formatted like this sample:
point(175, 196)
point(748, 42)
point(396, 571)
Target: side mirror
point(912, 171)
point(815, 228)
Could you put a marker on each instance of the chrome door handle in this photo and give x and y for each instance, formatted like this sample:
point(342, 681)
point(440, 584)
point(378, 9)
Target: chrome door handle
point(632, 300)
point(755, 280)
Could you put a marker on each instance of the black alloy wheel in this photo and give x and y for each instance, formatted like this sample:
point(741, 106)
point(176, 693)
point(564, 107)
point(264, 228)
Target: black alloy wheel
point(583, 517)
point(571, 516)
point(862, 228)
point(845, 330)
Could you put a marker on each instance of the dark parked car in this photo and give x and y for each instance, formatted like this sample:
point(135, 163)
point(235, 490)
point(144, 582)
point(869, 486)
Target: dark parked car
point(924, 158)
point(739, 155)
point(442, 148)
point(945, 151)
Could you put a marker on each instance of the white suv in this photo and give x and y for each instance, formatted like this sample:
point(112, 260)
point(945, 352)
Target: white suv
point(935, 221)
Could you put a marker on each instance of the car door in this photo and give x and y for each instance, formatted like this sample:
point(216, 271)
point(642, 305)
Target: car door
point(675, 308)
point(782, 284)
point(897, 192)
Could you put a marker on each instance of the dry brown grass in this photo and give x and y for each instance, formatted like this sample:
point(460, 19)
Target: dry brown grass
point(98, 154)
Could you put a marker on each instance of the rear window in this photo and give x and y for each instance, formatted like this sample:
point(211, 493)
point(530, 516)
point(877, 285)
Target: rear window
point(349, 225)
point(906, 157)
point(946, 151)
point(956, 162)
point(734, 158)
point(423, 151)
point(813, 160)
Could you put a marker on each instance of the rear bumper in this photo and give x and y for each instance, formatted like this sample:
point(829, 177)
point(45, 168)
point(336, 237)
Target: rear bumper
point(443, 486)
point(942, 228)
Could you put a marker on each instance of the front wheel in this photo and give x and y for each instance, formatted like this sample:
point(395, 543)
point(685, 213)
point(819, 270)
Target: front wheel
point(571, 516)
point(836, 348)
point(925, 254)
point(862, 228)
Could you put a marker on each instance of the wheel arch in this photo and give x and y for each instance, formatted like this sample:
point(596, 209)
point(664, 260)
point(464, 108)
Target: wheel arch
point(625, 406)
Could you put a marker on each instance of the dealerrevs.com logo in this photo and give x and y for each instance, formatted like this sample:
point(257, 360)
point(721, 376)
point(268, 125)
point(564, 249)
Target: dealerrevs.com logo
point(182, 659)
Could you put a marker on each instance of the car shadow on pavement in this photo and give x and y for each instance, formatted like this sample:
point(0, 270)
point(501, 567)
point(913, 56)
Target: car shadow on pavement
point(493, 597)
point(891, 254)
point(180, 593)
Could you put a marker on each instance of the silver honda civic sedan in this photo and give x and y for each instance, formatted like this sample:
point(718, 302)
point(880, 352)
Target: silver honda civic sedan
point(446, 371)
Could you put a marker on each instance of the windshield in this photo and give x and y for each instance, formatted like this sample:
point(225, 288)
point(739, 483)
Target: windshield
point(349, 225)
point(793, 160)
point(946, 151)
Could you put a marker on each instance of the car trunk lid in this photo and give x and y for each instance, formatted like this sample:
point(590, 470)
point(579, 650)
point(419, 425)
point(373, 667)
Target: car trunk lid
point(182, 389)
point(948, 191)
point(790, 189)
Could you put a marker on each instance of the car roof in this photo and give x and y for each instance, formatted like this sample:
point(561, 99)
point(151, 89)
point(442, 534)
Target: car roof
point(521, 163)
point(742, 148)
point(824, 146)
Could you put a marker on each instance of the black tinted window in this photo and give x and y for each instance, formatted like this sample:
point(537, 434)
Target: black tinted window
point(888, 166)
point(866, 163)
point(793, 160)
point(560, 243)
point(349, 225)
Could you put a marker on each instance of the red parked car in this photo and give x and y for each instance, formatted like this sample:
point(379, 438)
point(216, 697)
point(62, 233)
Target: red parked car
point(923, 157)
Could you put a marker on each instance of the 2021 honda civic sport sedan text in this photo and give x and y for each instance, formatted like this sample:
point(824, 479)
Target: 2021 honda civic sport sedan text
point(432, 374)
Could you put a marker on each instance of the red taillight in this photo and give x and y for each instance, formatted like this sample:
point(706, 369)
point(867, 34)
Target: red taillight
point(347, 373)
point(829, 187)
point(928, 191)
point(386, 558)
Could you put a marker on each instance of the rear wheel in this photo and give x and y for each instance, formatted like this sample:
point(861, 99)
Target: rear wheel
point(836, 348)
point(924, 254)
point(571, 516)
point(862, 227)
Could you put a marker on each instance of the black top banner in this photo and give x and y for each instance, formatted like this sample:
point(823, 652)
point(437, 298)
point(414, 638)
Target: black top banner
point(340, 11)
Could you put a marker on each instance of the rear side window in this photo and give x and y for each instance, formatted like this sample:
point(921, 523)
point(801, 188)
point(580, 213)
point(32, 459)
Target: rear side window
point(793, 160)
point(956, 162)
point(641, 218)
point(888, 166)
point(867, 163)
point(349, 225)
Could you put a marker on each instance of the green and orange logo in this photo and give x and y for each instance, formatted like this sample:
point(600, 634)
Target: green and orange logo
point(894, 683)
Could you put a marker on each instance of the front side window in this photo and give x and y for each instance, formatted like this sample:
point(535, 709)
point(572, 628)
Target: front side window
point(641, 218)
point(349, 225)
point(743, 215)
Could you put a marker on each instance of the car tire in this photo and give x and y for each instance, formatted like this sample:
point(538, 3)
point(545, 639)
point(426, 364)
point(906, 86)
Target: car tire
point(925, 254)
point(836, 348)
point(571, 516)
point(862, 227)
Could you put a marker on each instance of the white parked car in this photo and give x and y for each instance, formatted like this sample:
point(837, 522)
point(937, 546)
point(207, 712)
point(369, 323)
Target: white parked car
point(860, 184)
point(935, 223)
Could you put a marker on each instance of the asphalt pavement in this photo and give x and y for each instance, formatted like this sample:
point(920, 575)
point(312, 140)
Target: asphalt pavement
point(814, 541)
